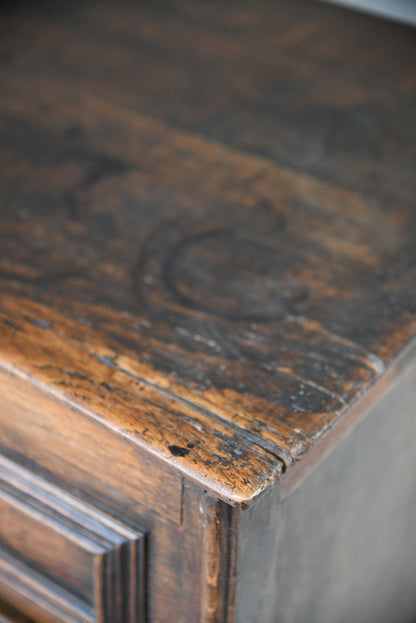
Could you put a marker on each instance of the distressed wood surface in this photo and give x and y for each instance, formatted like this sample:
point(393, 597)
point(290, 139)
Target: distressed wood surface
point(109, 472)
point(207, 234)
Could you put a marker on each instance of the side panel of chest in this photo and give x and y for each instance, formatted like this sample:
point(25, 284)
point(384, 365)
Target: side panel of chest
point(340, 544)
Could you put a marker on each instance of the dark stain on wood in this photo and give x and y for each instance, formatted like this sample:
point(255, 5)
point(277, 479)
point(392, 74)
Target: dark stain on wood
point(178, 450)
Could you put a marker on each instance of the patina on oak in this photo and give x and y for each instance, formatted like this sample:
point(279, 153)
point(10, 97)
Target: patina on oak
point(207, 258)
point(250, 303)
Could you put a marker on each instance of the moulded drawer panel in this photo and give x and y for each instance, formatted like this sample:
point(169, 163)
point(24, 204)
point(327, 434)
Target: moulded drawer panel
point(62, 560)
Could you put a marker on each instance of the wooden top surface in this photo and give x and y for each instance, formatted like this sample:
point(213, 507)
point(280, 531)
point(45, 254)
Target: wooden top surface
point(208, 229)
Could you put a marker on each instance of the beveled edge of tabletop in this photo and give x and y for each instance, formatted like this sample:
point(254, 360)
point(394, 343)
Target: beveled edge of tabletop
point(41, 347)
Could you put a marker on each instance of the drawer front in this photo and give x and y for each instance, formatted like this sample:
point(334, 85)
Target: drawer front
point(61, 560)
point(11, 615)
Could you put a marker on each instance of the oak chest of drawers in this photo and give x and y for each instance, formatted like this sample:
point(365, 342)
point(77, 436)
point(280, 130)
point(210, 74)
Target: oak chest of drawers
point(207, 314)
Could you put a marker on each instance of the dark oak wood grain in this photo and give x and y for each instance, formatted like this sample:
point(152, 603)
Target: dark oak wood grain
point(216, 279)
point(207, 279)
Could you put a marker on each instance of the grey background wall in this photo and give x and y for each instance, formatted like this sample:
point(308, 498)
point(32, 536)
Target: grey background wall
point(402, 10)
